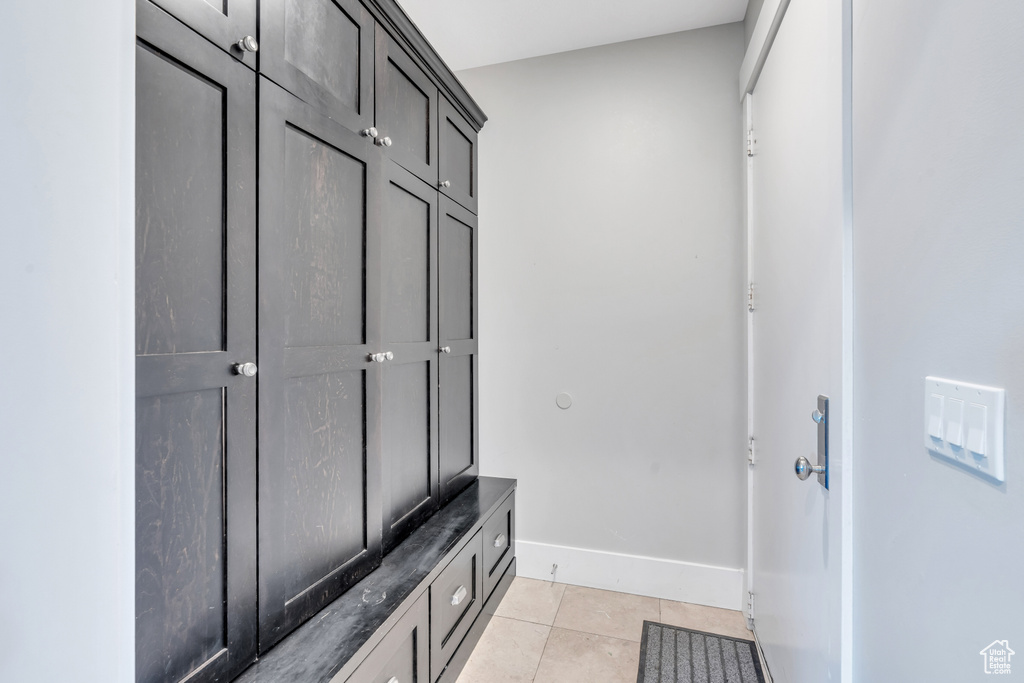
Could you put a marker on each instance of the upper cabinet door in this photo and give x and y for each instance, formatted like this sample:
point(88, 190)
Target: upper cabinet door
point(321, 51)
point(457, 329)
point(226, 23)
point(195, 322)
point(319, 331)
point(457, 172)
point(409, 329)
point(406, 103)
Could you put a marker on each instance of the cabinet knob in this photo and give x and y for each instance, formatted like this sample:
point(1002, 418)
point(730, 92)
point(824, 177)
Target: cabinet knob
point(499, 542)
point(393, 679)
point(388, 355)
point(383, 142)
point(804, 468)
point(445, 349)
point(459, 595)
point(370, 132)
point(445, 183)
point(245, 369)
point(248, 44)
point(378, 357)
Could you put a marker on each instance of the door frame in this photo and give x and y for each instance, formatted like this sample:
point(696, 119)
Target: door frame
point(765, 29)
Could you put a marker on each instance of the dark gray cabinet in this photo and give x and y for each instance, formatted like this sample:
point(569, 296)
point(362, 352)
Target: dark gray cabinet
point(305, 315)
point(406, 117)
point(319, 326)
point(195, 280)
point(223, 22)
point(458, 378)
point(457, 163)
point(322, 51)
point(455, 601)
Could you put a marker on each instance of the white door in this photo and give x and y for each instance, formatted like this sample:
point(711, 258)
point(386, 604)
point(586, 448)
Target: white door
point(797, 225)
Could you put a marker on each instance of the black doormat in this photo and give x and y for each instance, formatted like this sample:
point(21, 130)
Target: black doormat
point(670, 654)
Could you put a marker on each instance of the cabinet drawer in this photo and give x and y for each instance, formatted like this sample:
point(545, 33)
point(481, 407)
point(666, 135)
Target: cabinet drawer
point(455, 601)
point(457, 170)
point(402, 654)
point(499, 537)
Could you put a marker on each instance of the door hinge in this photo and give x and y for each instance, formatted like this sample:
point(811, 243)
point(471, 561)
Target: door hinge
point(750, 611)
point(751, 143)
point(750, 298)
point(750, 451)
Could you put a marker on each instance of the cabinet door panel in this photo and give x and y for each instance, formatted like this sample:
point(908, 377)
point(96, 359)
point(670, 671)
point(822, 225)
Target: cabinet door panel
point(457, 372)
point(404, 652)
point(321, 51)
point(458, 157)
point(319, 403)
point(195, 284)
point(455, 601)
point(406, 103)
point(222, 22)
point(409, 324)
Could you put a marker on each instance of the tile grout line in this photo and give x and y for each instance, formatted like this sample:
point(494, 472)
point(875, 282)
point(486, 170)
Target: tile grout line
point(547, 640)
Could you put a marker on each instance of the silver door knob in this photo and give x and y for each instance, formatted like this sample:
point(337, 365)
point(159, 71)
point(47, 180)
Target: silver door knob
point(445, 183)
point(459, 595)
point(446, 349)
point(388, 355)
point(245, 369)
point(248, 44)
point(804, 468)
point(499, 542)
point(378, 357)
point(370, 132)
point(383, 142)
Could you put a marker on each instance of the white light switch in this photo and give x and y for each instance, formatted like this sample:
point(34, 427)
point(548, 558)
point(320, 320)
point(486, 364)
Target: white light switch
point(964, 423)
point(934, 414)
point(955, 423)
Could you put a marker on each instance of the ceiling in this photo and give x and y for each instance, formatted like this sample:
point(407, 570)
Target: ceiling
point(470, 33)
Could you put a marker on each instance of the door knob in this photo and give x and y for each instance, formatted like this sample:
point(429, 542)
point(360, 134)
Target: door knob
point(370, 132)
point(378, 357)
point(804, 468)
point(383, 142)
point(817, 416)
point(248, 44)
point(245, 369)
point(446, 349)
point(445, 183)
point(388, 355)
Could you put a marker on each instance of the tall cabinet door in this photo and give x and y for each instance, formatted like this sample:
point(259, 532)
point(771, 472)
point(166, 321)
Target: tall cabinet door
point(457, 164)
point(195, 317)
point(319, 328)
point(457, 312)
point(406, 110)
point(222, 22)
point(322, 51)
point(409, 326)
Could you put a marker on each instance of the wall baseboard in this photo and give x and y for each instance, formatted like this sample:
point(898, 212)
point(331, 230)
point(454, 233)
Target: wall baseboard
point(699, 584)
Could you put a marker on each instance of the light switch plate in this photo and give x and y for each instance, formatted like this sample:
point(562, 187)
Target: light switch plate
point(964, 423)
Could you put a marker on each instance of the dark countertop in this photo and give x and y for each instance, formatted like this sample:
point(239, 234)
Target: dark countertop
point(325, 645)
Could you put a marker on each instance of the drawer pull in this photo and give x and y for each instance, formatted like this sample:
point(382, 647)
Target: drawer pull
point(457, 597)
point(499, 542)
point(393, 679)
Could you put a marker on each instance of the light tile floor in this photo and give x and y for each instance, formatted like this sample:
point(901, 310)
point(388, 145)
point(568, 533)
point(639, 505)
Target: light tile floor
point(550, 632)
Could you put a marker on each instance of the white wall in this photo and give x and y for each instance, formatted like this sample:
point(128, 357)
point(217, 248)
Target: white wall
point(611, 250)
point(67, 89)
point(939, 286)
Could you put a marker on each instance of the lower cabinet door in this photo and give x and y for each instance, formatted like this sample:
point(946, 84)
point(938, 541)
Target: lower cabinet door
point(456, 598)
point(403, 654)
point(499, 538)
